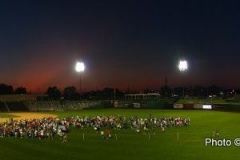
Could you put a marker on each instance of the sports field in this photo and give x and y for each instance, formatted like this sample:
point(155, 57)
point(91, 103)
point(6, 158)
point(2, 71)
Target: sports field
point(127, 144)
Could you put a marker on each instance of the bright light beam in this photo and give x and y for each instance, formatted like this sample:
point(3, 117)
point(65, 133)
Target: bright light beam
point(183, 65)
point(80, 67)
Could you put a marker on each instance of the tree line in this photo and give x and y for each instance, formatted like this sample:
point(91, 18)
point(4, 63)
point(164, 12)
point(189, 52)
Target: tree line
point(71, 93)
point(8, 89)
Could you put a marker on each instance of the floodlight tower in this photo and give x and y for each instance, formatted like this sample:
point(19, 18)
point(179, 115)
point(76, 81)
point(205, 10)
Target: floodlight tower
point(183, 66)
point(80, 67)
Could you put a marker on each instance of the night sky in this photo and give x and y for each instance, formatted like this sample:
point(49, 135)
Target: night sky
point(122, 43)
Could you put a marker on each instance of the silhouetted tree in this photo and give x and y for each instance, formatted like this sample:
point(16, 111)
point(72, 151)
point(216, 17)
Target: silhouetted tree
point(70, 93)
point(6, 89)
point(200, 91)
point(178, 91)
point(166, 91)
point(108, 93)
point(53, 93)
point(214, 90)
point(21, 90)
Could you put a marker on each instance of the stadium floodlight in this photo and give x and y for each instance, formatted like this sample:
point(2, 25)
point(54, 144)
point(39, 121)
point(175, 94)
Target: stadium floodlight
point(183, 65)
point(80, 67)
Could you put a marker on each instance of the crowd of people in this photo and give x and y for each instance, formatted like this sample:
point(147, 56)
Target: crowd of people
point(49, 127)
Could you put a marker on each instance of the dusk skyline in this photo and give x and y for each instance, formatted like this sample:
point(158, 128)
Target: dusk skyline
point(123, 44)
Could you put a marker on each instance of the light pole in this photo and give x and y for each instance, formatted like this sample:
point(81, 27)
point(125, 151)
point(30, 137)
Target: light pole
point(183, 66)
point(80, 67)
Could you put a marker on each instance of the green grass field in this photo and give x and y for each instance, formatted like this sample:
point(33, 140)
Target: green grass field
point(175, 143)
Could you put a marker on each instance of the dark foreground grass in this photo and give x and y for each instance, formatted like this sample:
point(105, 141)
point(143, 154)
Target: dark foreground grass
point(174, 143)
